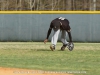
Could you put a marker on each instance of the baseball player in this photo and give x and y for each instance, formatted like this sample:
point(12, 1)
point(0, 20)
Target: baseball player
point(60, 24)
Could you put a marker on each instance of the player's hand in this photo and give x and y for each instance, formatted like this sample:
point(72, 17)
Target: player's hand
point(46, 40)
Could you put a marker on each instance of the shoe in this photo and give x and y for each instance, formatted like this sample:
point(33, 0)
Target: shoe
point(52, 48)
point(63, 47)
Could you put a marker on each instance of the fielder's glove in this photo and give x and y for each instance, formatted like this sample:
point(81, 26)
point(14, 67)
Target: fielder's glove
point(70, 46)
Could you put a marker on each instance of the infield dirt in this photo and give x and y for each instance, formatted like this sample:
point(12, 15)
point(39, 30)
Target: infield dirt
point(16, 71)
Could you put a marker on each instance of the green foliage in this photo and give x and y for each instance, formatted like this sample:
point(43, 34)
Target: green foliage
point(85, 58)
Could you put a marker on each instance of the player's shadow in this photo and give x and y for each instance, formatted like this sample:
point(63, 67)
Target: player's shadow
point(43, 50)
point(47, 50)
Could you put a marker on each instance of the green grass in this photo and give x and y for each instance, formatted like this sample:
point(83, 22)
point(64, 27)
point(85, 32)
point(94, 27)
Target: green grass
point(37, 55)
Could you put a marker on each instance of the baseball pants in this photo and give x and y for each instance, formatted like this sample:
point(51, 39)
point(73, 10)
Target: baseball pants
point(55, 37)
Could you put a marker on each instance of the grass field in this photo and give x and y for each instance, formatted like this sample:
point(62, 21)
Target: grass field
point(83, 60)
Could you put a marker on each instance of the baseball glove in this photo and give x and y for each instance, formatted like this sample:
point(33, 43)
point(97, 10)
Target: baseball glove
point(70, 46)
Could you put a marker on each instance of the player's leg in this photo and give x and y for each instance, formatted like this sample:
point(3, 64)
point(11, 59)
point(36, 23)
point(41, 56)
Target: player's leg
point(54, 39)
point(63, 39)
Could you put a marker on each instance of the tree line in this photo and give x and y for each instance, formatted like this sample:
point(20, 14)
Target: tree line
point(49, 5)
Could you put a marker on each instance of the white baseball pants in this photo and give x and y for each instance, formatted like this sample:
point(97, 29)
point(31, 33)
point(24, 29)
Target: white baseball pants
point(55, 37)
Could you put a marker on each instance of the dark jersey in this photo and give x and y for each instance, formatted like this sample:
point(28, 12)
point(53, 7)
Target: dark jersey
point(60, 23)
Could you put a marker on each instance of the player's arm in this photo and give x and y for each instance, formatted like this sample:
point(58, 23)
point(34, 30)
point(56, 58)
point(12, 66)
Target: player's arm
point(48, 34)
point(70, 45)
point(69, 34)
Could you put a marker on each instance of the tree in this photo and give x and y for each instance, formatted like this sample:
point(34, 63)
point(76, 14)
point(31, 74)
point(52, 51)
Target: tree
point(33, 5)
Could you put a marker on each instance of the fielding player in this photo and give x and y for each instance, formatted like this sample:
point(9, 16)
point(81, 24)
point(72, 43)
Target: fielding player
point(60, 24)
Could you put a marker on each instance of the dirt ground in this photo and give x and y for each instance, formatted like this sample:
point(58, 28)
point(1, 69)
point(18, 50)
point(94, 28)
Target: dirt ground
point(15, 71)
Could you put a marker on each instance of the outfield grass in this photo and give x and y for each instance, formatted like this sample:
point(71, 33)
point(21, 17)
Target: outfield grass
point(35, 55)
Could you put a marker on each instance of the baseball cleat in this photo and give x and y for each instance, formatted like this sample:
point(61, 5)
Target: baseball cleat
point(52, 48)
point(63, 47)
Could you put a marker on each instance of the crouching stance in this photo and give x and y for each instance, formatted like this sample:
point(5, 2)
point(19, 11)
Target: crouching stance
point(60, 24)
